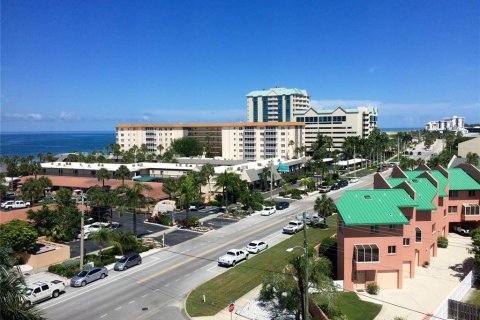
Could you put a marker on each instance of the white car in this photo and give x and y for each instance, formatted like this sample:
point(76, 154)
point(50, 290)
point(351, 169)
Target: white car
point(353, 180)
point(92, 228)
point(232, 257)
point(40, 291)
point(256, 246)
point(266, 211)
point(293, 227)
point(15, 204)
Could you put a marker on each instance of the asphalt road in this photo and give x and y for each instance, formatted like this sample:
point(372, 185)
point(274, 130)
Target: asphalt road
point(157, 288)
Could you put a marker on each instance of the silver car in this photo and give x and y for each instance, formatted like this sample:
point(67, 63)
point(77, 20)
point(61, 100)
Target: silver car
point(127, 261)
point(88, 275)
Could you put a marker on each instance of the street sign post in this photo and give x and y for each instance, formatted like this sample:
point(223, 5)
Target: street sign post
point(231, 307)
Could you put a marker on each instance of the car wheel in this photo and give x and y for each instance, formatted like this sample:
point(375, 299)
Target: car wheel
point(126, 267)
point(27, 304)
point(55, 294)
point(258, 250)
point(233, 264)
point(102, 276)
point(84, 283)
point(139, 262)
point(246, 257)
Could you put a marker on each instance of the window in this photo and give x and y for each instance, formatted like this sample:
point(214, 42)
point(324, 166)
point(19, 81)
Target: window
point(452, 209)
point(366, 253)
point(471, 193)
point(433, 227)
point(453, 193)
point(37, 290)
point(406, 241)
point(391, 227)
point(392, 249)
point(45, 287)
point(471, 209)
point(373, 229)
point(418, 235)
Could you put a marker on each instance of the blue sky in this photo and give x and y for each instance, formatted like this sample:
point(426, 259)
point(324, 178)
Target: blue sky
point(88, 65)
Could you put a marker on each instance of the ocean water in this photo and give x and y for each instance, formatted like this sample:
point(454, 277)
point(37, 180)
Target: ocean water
point(26, 143)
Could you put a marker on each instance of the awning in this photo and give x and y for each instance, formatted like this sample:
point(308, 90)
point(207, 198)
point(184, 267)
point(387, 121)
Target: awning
point(143, 179)
point(282, 167)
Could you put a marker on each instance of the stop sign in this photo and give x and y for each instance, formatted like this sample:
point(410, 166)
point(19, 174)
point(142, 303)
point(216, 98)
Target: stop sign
point(231, 306)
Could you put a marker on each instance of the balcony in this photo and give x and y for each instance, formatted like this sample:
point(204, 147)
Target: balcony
point(364, 255)
point(470, 212)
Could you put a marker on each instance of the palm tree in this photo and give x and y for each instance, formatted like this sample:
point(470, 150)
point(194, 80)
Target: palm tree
point(472, 158)
point(189, 193)
point(12, 303)
point(207, 172)
point(123, 173)
point(31, 189)
point(45, 183)
point(250, 198)
point(291, 143)
point(325, 206)
point(229, 182)
point(103, 175)
point(170, 186)
point(265, 177)
point(124, 241)
point(131, 198)
point(103, 235)
point(35, 169)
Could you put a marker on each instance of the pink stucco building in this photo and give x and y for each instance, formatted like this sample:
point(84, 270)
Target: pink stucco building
point(385, 233)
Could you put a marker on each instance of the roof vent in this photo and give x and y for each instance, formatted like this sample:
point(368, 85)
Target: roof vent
point(367, 197)
point(415, 180)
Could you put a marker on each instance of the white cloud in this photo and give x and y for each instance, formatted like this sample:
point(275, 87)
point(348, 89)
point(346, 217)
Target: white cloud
point(65, 115)
point(23, 116)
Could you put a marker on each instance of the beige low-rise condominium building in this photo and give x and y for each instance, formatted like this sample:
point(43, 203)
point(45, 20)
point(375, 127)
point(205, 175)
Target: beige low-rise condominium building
point(239, 140)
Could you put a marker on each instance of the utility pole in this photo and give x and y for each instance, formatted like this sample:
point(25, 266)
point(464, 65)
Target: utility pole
point(398, 149)
point(271, 180)
point(354, 161)
point(305, 250)
point(82, 232)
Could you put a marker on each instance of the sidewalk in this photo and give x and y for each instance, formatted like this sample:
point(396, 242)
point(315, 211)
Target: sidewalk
point(429, 288)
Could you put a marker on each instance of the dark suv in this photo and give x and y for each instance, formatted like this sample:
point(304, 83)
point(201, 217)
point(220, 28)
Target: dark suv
point(282, 205)
point(342, 183)
point(127, 261)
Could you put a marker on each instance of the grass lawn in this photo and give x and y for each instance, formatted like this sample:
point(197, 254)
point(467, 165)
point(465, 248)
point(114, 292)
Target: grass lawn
point(238, 281)
point(474, 297)
point(355, 309)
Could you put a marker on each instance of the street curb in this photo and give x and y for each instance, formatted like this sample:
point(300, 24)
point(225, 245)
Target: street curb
point(143, 255)
point(159, 233)
point(185, 305)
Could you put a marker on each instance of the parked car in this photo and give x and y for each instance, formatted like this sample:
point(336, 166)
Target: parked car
point(463, 228)
point(342, 183)
point(419, 153)
point(335, 186)
point(353, 180)
point(309, 218)
point(324, 189)
point(213, 211)
point(40, 291)
point(266, 211)
point(15, 204)
point(94, 227)
point(256, 246)
point(127, 261)
point(197, 206)
point(88, 275)
point(232, 257)
point(282, 205)
point(293, 227)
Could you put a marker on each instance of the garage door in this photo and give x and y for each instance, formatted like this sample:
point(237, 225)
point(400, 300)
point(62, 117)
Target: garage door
point(387, 279)
point(406, 269)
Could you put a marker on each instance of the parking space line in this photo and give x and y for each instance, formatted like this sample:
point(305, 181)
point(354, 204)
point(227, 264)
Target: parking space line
point(145, 295)
point(104, 315)
point(118, 308)
point(131, 302)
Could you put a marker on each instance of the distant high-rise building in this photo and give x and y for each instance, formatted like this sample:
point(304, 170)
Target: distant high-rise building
point(450, 124)
point(276, 104)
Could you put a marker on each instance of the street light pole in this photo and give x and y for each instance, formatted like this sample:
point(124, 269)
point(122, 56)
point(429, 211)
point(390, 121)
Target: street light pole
point(305, 250)
point(271, 181)
point(82, 232)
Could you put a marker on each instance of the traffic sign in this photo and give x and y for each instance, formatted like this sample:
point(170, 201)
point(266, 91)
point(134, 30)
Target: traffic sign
point(231, 307)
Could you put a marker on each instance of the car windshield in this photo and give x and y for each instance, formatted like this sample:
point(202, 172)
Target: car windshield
point(230, 253)
point(292, 223)
point(252, 244)
point(27, 291)
point(82, 274)
point(267, 208)
point(122, 260)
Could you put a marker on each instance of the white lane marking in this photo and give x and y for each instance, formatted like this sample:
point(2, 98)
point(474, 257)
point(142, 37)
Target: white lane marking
point(211, 268)
point(145, 295)
point(157, 290)
point(131, 302)
point(118, 308)
point(103, 316)
point(142, 267)
point(177, 279)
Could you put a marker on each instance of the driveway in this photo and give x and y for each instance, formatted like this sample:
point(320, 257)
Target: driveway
point(429, 288)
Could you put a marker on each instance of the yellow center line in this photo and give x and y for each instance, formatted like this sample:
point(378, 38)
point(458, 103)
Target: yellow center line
point(147, 278)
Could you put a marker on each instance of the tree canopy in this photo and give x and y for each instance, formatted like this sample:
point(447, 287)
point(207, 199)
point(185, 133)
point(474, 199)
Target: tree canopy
point(186, 147)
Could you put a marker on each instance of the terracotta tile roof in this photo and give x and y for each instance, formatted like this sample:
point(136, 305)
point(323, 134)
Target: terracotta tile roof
point(85, 183)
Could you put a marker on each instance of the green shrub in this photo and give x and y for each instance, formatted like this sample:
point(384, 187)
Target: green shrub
point(296, 194)
point(192, 221)
point(373, 288)
point(282, 193)
point(442, 242)
point(214, 203)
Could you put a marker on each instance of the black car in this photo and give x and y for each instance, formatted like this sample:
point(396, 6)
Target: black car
point(335, 186)
point(213, 211)
point(342, 183)
point(282, 205)
point(197, 206)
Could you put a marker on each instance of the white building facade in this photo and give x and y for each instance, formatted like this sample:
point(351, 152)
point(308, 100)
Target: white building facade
point(338, 124)
point(276, 104)
point(243, 140)
point(450, 124)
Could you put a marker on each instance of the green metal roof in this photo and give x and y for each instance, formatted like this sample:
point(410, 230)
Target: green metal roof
point(413, 173)
point(442, 182)
point(424, 189)
point(374, 207)
point(144, 179)
point(460, 180)
point(277, 92)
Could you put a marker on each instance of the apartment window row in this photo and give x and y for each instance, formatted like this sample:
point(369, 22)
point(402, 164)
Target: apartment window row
point(471, 209)
point(366, 253)
point(322, 119)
